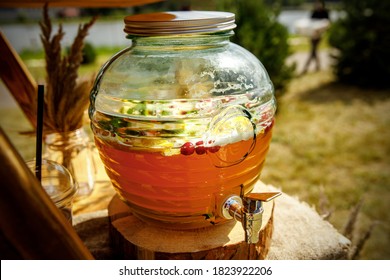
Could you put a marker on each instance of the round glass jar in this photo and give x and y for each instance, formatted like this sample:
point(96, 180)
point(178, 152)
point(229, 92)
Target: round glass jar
point(182, 118)
point(58, 183)
point(73, 150)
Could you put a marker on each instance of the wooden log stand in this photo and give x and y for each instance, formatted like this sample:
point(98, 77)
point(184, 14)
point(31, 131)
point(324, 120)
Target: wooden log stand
point(134, 239)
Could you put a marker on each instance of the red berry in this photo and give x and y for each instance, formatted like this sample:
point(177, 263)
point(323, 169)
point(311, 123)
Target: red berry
point(213, 149)
point(268, 128)
point(187, 149)
point(199, 148)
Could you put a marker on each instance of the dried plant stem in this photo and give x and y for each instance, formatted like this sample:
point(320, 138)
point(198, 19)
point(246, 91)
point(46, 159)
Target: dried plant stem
point(324, 208)
point(66, 99)
point(351, 223)
point(355, 251)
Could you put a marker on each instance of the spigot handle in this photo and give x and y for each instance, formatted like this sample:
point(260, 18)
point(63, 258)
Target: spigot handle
point(253, 214)
point(248, 211)
point(265, 197)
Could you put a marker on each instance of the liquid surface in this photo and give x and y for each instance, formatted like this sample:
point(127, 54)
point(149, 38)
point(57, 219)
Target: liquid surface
point(183, 191)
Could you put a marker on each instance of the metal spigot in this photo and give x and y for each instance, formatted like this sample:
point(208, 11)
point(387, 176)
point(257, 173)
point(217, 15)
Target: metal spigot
point(249, 211)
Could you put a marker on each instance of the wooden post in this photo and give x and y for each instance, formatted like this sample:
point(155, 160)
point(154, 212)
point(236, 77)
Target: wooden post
point(32, 227)
point(18, 79)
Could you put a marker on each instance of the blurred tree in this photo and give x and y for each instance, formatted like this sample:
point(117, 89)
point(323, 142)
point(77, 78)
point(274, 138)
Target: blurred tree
point(290, 3)
point(363, 40)
point(260, 33)
point(89, 54)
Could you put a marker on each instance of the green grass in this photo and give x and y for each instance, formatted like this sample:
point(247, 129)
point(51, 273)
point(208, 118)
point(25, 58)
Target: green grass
point(336, 138)
point(300, 43)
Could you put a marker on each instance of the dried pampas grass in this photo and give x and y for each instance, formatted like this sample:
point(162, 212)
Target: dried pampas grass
point(66, 97)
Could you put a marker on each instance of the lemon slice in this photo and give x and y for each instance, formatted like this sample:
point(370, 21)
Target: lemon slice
point(231, 125)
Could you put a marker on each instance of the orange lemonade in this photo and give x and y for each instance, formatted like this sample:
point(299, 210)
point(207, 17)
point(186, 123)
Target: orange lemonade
point(178, 186)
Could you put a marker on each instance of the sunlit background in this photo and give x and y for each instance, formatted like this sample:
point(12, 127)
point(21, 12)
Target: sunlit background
point(331, 141)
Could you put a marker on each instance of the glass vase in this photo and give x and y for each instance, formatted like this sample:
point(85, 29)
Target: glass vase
point(73, 150)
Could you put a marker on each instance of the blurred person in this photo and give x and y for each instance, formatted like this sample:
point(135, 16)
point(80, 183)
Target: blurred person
point(319, 14)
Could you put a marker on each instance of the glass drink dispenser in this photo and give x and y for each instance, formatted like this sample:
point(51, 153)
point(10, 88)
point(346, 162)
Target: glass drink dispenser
point(183, 119)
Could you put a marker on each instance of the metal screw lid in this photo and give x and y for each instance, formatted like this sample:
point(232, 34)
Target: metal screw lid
point(181, 22)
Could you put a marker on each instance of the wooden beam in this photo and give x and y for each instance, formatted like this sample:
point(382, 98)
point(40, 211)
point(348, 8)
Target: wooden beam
point(18, 79)
point(74, 3)
point(32, 227)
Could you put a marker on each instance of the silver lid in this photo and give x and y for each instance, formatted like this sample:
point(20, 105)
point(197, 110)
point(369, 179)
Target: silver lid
point(183, 22)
